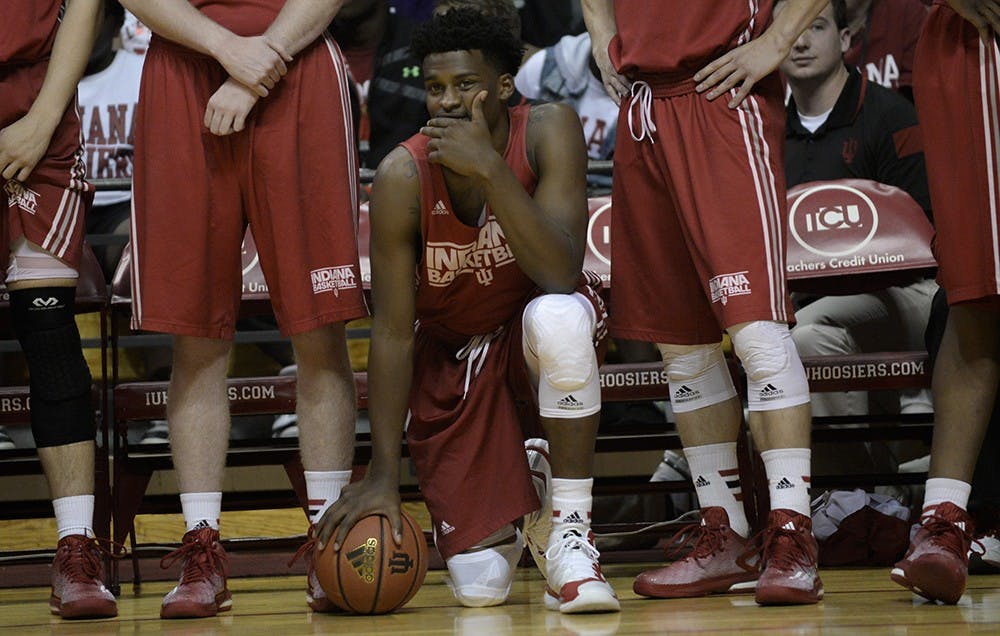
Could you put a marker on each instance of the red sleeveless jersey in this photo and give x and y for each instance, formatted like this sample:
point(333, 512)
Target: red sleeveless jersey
point(28, 29)
point(679, 37)
point(242, 17)
point(468, 280)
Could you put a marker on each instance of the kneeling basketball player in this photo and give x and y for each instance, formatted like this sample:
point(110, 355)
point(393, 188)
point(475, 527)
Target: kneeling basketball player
point(487, 204)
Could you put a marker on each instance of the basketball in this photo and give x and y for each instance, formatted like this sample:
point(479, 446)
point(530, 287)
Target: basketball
point(371, 574)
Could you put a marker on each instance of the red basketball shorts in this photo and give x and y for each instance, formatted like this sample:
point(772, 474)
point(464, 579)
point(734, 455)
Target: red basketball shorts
point(955, 83)
point(698, 217)
point(291, 173)
point(48, 209)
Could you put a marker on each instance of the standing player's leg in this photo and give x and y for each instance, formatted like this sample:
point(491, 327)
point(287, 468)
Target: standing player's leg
point(198, 418)
point(780, 422)
point(708, 415)
point(965, 380)
point(558, 344)
point(326, 407)
point(42, 295)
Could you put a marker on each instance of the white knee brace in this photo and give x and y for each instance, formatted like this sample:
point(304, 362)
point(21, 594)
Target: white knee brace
point(482, 577)
point(698, 376)
point(775, 376)
point(559, 351)
point(30, 262)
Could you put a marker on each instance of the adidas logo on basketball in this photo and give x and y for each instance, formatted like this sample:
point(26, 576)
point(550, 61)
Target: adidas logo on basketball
point(439, 208)
point(446, 528)
point(770, 392)
point(362, 559)
point(701, 482)
point(570, 403)
point(784, 484)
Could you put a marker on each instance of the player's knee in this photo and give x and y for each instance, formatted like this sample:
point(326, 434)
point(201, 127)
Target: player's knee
point(559, 329)
point(698, 376)
point(481, 576)
point(775, 376)
point(61, 409)
point(29, 261)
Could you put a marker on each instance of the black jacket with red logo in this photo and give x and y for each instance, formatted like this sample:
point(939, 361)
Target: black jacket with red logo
point(872, 133)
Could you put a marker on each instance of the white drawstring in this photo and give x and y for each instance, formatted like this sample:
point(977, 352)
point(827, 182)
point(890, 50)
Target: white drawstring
point(475, 352)
point(642, 95)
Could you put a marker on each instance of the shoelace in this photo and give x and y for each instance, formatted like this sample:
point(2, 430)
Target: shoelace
point(704, 541)
point(474, 352)
point(201, 561)
point(781, 547)
point(83, 558)
point(950, 536)
point(642, 95)
point(306, 550)
point(575, 546)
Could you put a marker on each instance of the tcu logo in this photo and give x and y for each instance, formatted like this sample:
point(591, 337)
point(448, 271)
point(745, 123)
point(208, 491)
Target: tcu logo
point(599, 231)
point(833, 219)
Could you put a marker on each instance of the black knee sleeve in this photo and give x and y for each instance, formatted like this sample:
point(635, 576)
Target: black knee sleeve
point(61, 405)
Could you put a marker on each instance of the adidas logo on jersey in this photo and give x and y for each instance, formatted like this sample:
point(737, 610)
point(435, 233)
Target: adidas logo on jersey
point(439, 208)
point(770, 392)
point(569, 402)
point(701, 482)
point(784, 484)
point(446, 528)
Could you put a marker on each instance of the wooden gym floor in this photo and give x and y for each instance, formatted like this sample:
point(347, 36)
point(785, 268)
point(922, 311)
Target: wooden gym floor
point(858, 601)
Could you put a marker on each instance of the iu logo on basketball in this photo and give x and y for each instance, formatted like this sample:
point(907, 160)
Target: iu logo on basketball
point(400, 563)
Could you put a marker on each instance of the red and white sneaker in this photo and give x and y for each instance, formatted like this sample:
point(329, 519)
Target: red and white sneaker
point(575, 582)
point(77, 590)
point(315, 596)
point(202, 588)
point(937, 564)
point(789, 575)
point(712, 567)
point(538, 524)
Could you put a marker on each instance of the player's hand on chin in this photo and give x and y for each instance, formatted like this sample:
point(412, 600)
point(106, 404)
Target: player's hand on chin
point(228, 108)
point(460, 144)
point(375, 494)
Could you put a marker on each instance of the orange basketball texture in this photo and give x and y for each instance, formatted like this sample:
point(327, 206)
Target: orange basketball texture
point(371, 574)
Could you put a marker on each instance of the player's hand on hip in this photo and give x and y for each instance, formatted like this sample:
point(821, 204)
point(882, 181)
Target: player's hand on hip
point(375, 494)
point(458, 143)
point(615, 84)
point(742, 67)
point(229, 107)
point(983, 14)
point(255, 62)
point(22, 146)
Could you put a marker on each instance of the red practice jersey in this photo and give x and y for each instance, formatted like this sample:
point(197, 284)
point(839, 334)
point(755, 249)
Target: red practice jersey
point(27, 29)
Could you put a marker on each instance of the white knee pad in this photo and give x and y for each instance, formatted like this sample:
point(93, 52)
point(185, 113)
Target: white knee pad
point(482, 577)
point(559, 351)
point(30, 262)
point(775, 376)
point(698, 376)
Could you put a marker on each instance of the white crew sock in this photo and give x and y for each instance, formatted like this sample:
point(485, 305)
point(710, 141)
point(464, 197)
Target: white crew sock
point(788, 476)
point(571, 505)
point(716, 477)
point(323, 490)
point(201, 509)
point(942, 489)
point(74, 515)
